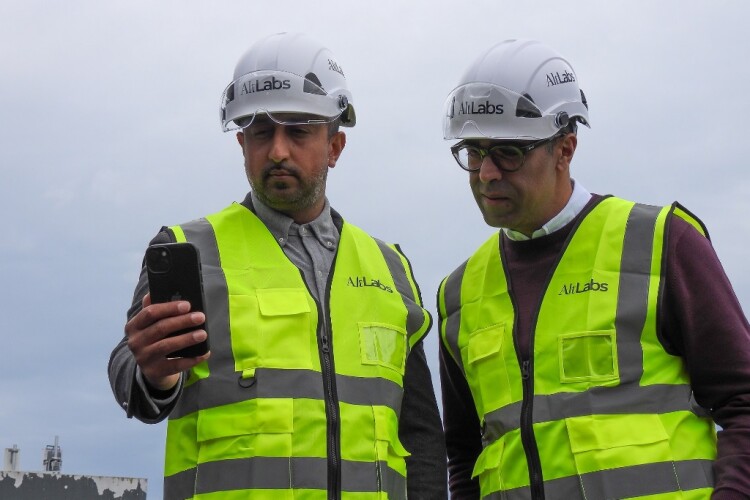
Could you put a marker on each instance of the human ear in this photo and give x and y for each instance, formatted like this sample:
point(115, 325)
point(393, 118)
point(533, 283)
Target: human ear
point(567, 146)
point(336, 145)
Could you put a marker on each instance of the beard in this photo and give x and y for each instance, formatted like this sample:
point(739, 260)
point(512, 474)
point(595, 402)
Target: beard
point(284, 195)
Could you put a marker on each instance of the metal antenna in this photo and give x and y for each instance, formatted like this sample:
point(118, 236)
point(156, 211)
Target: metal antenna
point(52, 460)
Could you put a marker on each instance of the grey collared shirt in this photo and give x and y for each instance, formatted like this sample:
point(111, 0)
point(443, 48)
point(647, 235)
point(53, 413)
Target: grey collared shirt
point(310, 246)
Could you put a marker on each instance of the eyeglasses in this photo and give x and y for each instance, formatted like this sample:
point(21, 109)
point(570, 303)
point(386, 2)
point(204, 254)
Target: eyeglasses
point(506, 157)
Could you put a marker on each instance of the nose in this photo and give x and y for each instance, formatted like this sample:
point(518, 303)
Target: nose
point(279, 146)
point(488, 171)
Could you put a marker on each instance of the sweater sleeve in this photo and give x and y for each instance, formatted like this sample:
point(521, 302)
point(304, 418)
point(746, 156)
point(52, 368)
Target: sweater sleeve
point(463, 436)
point(703, 322)
point(421, 431)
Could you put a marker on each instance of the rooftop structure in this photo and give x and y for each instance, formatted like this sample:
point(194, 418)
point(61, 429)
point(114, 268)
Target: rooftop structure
point(52, 484)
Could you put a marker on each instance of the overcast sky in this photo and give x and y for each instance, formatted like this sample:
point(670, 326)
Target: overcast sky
point(109, 129)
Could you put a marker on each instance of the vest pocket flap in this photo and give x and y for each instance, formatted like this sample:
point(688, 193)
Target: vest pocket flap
point(282, 301)
point(606, 432)
point(258, 416)
point(489, 458)
point(386, 429)
point(485, 342)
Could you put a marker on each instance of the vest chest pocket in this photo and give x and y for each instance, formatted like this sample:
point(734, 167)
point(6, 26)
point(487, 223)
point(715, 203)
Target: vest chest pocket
point(486, 367)
point(588, 357)
point(383, 345)
point(284, 328)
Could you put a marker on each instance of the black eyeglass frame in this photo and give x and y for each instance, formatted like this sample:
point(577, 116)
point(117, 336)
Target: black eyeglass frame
point(484, 152)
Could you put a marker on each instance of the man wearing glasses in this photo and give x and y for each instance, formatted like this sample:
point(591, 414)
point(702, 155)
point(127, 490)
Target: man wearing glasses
point(590, 346)
point(317, 385)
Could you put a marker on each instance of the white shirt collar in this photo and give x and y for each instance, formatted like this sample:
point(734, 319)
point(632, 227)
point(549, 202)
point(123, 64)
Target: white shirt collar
point(578, 199)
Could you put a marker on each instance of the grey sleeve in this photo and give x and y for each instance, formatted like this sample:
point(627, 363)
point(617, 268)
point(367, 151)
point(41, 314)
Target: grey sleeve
point(132, 395)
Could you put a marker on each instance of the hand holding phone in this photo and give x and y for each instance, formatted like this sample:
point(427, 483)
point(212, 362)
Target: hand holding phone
point(174, 273)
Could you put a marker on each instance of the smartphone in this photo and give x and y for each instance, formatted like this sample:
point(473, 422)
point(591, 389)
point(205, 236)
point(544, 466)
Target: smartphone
point(174, 273)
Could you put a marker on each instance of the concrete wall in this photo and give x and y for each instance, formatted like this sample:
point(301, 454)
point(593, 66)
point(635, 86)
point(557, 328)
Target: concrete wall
point(57, 486)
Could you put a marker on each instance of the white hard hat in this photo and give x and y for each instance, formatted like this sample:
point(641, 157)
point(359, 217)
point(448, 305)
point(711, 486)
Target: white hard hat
point(287, 73)
point(518, 89)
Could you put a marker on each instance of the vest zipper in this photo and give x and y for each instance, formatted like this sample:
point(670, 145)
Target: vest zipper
point(530, 448)
point(527, 433)
point(333, 425)
point(333, 420)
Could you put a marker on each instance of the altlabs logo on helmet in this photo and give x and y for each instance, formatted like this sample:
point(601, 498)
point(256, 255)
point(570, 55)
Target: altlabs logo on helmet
point(334, 66)
point(475, 108)
point(556, 79)
point(252, 86)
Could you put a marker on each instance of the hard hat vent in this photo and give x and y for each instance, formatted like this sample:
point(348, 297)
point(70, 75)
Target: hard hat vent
point(526, 108)
point(313, 85)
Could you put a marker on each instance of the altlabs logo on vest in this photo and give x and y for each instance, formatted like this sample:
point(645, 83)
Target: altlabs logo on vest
point(362, 281)
point(591, 286)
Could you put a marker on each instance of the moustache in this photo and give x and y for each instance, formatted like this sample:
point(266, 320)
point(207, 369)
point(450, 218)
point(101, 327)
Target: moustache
point(277, 169)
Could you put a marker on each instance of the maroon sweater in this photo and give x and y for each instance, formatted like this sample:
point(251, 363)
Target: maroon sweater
point(701, 321)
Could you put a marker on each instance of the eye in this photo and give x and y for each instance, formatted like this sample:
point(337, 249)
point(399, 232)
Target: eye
point(259, 132)
point(506, 152)
point(299, 131)
point(472, 152)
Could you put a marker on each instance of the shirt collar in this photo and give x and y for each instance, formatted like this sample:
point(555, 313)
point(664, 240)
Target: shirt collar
point(578, 199)
point(282, 225)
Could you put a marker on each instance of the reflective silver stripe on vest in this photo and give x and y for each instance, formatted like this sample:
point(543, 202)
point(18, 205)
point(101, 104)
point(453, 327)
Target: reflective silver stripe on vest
point(663, 398)
point(625, 482)
point(453, 309)
point(180, 486)
point(201, 233)
point(283, 473)
point(219, 390)
point(415, 314)
point(632, 302)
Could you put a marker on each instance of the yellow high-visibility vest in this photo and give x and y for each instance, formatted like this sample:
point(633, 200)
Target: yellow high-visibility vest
point(279, 410)
point(600, 409)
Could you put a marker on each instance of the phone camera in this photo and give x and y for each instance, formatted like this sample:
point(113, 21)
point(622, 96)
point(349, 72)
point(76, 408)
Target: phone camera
point(158, 259)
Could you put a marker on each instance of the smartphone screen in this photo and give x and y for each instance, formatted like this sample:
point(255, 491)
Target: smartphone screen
point(174, 273)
